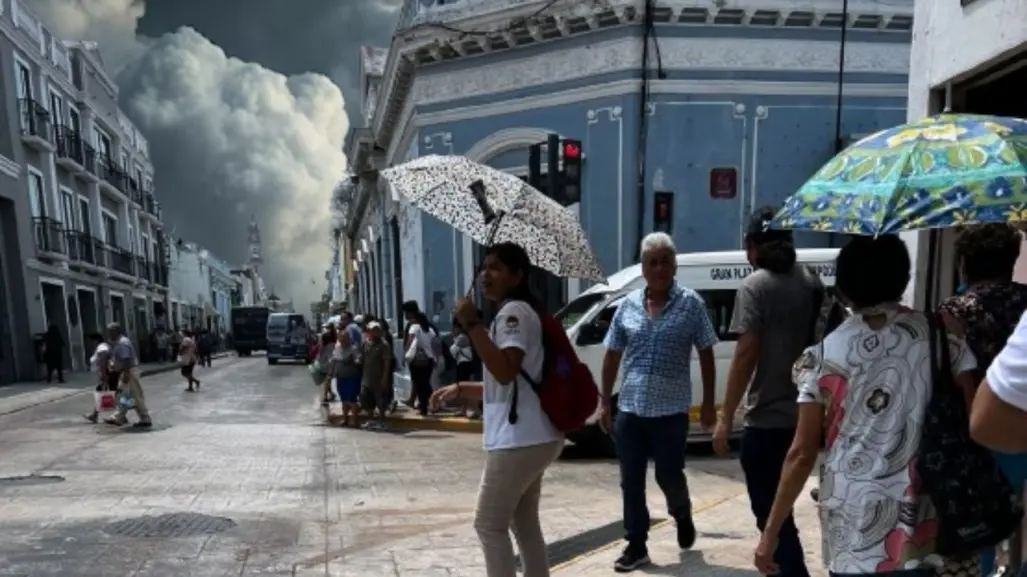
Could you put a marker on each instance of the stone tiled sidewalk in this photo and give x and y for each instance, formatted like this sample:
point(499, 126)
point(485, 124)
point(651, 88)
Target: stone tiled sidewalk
point(727, 537)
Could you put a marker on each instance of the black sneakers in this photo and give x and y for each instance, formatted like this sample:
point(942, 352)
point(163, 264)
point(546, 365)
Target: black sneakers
point(632, 558)
point(686, 531)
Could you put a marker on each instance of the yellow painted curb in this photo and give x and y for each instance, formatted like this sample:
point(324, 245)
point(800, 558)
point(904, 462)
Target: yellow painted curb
point(415, 422)
point(660, 525)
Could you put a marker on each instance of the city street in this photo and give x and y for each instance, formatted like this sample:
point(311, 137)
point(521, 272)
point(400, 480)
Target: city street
point(243, 479)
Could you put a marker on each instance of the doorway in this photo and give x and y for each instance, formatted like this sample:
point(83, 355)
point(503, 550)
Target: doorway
point(89, 320)
point(55, 312)
point(8, 369)
point(118, 311)
point(142, 329)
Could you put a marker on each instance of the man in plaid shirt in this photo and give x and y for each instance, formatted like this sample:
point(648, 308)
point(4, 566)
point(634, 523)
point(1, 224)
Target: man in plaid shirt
point(652, 334)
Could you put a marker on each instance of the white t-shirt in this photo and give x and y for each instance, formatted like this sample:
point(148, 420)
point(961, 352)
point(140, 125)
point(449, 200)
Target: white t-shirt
point(101, 349)
point(517, 326)
point(423, 339)
point(1007, 375)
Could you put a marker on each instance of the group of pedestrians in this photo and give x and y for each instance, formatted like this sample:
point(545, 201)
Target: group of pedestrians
point(116, 364)
point(354, 365)
point(848, 373)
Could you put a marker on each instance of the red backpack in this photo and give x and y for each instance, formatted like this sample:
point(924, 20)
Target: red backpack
point(567, 392)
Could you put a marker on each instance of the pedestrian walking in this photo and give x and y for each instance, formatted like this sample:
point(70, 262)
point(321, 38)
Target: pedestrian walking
point(205, 348)
point(377, 366)
point(420, 354)
point(468, 365)
point(347, 373)
point(53, 354)
point(517, 455)
point(162, 345)
point(107, 377)
point(187, 358)
point(775, 315)
point(322, 366)
point(988, 309)
point(653, 334)
point(864, 391)
point(130, 396)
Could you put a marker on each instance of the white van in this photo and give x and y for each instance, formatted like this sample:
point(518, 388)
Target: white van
point(716, 276)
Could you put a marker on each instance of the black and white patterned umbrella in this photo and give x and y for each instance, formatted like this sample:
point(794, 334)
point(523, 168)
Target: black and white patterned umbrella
point(551, 234)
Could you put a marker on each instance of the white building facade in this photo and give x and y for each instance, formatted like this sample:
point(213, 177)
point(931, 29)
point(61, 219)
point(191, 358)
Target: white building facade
point(966, 56)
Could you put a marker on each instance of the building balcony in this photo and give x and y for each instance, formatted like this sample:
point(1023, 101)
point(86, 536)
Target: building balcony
point(150, 205)
point(159, 274)
point(143, 269)
point(135, 191)
point(49, 237)
point(36, 127)
point(121, 261)
point(89, 171)
point(70, 154)
point(112, 177)
point(82, 249)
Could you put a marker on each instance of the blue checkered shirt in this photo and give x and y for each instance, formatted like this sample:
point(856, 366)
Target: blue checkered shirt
point(657, 362)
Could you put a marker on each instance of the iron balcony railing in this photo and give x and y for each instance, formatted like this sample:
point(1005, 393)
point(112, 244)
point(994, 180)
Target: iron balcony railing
point(89, 158)
point(113, 175)
point(49, 235)
point(160, 274)
point(81, 247)
point(69, 145)
point(35, 119)
point(143, 270)
point(135, 192)
point(121, 260)
point(102, 253)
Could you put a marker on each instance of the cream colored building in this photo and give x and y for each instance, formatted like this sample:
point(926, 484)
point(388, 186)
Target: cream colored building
point(967, 56)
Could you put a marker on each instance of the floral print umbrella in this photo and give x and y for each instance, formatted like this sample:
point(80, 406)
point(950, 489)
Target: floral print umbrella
point(945, 170)
point(551, 234)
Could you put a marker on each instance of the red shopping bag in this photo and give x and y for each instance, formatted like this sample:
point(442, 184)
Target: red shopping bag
point(106, 401)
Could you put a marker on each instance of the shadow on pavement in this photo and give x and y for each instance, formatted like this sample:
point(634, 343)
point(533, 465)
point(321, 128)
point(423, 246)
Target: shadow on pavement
point(694, 563)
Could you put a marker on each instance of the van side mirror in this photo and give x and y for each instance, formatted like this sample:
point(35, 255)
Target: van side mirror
point(591, 334)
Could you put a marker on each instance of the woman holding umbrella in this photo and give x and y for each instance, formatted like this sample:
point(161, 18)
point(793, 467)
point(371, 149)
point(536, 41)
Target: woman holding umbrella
point(516, 455)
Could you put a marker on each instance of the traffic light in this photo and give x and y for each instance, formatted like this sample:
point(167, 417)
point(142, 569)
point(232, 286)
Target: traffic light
point(571, 177)
point(553, 166)
point(535, 166)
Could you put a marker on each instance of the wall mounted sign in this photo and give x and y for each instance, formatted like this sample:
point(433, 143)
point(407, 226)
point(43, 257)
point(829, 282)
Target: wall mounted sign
point(724, 182)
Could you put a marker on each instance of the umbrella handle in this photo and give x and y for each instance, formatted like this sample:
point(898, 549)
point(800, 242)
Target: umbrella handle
point(488, 242)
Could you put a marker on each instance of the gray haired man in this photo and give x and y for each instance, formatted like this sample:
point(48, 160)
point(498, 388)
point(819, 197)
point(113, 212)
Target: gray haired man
point(123, 355)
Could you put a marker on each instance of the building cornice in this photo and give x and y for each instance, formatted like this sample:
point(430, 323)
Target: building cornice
point(9, 167)
point(506, 26)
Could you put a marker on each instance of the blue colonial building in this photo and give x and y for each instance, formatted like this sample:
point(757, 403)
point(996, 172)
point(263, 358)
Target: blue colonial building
point(724, 108)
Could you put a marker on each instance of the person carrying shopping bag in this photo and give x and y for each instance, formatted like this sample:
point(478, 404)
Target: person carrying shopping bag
point(106, 376)
point(131, 397)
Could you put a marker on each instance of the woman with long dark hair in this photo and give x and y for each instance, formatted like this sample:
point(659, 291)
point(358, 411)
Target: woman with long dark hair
point(518, 450)
point(421, 355)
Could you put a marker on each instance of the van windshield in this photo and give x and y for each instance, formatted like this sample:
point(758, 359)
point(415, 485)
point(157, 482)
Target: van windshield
point(570, 314)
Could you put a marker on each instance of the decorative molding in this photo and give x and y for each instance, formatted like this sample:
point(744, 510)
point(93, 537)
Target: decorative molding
point(507, 139)
point(619, 88)
point(9, 167)
point(687, 53)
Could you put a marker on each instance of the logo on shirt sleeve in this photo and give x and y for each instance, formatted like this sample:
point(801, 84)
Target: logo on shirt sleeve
point(512, 322)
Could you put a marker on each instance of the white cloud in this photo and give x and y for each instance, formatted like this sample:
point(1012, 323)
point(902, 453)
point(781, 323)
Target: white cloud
point(111, 22)
point(236, 139)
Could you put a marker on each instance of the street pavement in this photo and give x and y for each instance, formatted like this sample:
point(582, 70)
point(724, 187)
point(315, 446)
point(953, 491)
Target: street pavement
point(243, 479)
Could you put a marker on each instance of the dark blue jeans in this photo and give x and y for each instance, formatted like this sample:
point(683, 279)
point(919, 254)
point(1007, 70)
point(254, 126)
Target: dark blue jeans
point(762, 458)
point(664, 440)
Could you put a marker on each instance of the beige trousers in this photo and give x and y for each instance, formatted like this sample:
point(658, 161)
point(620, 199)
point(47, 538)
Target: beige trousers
point(135, 389)
point(508, 499)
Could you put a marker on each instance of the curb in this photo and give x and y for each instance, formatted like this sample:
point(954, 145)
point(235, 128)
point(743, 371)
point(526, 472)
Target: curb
point(88, 388)
point(415, 422)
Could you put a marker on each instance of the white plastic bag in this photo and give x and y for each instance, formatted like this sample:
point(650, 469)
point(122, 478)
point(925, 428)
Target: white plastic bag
point(105, 401)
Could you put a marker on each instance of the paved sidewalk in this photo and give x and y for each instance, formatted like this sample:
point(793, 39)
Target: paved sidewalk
point(20, 396)
point(724, 547)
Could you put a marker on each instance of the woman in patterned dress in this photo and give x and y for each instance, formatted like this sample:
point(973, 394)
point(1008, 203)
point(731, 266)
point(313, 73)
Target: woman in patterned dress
point(867, 384)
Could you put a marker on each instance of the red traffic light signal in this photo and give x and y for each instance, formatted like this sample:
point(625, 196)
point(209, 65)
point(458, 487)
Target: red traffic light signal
point(571, 150)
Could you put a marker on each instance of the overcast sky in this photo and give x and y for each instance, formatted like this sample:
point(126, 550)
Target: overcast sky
point(241, 102)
